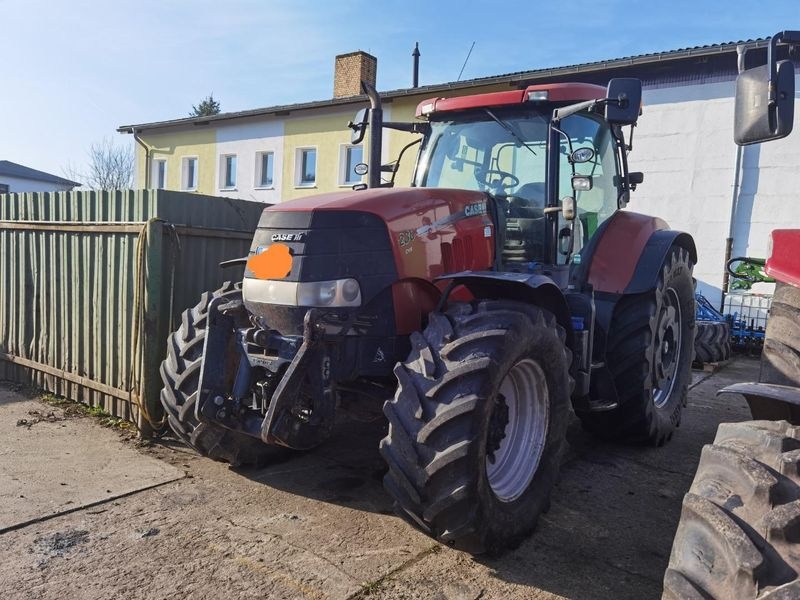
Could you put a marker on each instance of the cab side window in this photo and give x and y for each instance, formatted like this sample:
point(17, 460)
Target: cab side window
point(598, 204)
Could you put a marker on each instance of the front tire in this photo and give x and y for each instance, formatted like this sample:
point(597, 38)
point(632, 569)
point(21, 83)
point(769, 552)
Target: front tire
point(477, 425)
point(649, 354)
point(180, 373)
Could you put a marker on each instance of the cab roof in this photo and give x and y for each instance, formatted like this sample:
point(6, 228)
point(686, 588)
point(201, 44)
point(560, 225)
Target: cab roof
point(553, 92)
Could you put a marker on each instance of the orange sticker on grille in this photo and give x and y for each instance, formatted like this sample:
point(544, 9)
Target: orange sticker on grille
point(275, 262)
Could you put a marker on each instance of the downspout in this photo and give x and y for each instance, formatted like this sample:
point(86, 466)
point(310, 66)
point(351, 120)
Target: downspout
point(737, 175)
point(146, 158)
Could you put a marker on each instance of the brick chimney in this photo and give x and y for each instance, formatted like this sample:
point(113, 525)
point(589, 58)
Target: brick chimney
point(350, 69)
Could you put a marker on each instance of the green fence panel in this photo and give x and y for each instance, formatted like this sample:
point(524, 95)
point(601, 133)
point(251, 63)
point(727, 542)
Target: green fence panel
point(91, 283)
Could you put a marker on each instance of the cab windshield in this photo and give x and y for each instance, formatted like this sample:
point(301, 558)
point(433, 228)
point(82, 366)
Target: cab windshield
point(503, 153)
point(473, 153)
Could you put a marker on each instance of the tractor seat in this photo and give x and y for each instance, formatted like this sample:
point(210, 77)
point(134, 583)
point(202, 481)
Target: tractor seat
point(533, 193)
point(527, 202)
point(524, 240)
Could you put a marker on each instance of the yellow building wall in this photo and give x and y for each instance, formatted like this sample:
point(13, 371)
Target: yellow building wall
point(325, 133)
point(174, 146)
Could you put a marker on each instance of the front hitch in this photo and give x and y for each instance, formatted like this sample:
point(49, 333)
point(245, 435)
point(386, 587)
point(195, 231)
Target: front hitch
point(301, 411)
point(288, 423)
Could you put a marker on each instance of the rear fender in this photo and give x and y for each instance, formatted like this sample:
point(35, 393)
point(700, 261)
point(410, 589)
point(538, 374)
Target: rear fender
point(626, 254)
point(648, 268)
point(533, 289)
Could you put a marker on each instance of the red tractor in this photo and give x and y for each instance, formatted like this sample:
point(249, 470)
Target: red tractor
point(739, 532)
point(503, 289)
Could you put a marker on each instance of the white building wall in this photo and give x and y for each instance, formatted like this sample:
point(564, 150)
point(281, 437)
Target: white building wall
point(246, 141)
point(684, 145)
point(21, 185)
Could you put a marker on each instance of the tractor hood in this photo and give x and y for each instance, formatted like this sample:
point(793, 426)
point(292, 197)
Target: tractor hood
point(408, 232)
point(386, 203)
point(393, 242)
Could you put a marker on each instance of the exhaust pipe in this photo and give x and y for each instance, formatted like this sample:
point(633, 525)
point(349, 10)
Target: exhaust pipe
point(375, 135)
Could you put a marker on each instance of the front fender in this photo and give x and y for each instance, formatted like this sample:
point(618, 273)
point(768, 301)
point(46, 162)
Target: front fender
point(523, 287)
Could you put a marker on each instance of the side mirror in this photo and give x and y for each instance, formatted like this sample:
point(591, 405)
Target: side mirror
point(359, 126)
point(624, 100)
point(756, 119)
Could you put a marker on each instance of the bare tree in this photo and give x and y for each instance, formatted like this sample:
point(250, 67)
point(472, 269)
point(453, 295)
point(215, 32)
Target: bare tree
point(110, 167)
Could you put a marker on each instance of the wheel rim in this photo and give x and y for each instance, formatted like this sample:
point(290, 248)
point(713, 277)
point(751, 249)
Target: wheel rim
point(667, 354)
point(517, 430)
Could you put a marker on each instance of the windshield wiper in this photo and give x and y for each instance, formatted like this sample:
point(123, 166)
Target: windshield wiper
point(508, 128)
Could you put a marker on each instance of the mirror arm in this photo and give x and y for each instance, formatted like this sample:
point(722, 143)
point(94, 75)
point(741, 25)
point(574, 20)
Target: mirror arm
point(784, 37)
point(421, 128)
point(566, 111)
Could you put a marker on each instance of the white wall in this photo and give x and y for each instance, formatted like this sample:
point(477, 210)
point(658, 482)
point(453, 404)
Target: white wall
point(684, 145)
point(246, 141)
point(20, 185)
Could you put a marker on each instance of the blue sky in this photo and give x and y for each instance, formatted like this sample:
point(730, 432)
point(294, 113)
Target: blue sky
point(74, 71)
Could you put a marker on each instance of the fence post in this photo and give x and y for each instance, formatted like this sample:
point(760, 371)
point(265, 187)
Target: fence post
point(154, 334)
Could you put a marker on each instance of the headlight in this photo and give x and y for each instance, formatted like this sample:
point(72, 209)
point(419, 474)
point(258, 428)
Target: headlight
point(338, 292)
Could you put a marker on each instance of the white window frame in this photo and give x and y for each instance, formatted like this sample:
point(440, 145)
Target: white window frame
point(154, 173)
point(343, 148)
point(185, 173)
point(258, 170)
point(298, 167)
point(223, 171)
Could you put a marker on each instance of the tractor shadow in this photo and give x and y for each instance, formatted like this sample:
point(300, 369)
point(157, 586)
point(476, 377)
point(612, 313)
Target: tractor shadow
point(614, 512)
point(346, 470)
point(607, 534)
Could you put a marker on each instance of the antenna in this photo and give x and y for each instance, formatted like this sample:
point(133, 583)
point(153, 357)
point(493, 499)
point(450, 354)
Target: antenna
point(465, 62)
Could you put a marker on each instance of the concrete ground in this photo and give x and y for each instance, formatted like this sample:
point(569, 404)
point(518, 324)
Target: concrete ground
point(85, 513)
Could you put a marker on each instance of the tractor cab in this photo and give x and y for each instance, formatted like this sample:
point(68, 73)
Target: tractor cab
point(552, 159)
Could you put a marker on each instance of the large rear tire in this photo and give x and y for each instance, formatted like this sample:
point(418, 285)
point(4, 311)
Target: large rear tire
point(649, 353)
point(180, 373)
point(739, 532)
point(477, 426)
point(711, 342)
point(780, 358)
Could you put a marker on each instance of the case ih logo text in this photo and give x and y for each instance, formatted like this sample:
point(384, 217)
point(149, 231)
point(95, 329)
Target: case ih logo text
point(479, 208)
point(290, 237)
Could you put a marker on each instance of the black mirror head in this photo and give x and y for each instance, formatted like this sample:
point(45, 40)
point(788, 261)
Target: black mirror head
point(623, 100)
point(755, 120)
point(359, 126)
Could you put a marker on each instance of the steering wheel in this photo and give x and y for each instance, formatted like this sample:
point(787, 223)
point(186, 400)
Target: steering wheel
point(498, 184)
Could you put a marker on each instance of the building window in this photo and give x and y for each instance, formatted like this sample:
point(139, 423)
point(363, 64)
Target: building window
point(189, 176)
point(3, 188)
point(228, 174)
point(350, 157)
point(158, 178)
point(265, 166)
point(306, 167)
